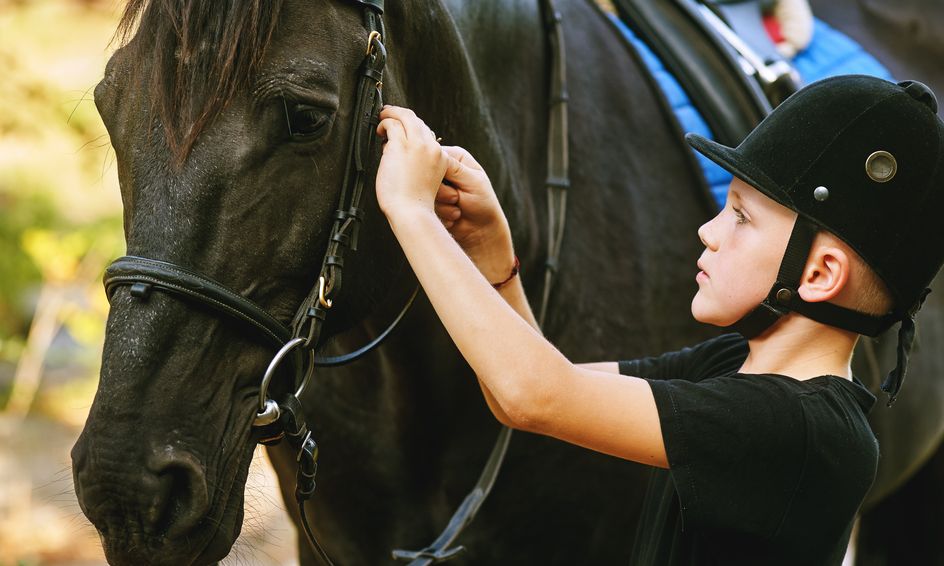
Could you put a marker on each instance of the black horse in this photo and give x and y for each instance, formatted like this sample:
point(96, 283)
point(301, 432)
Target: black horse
point(230, 125)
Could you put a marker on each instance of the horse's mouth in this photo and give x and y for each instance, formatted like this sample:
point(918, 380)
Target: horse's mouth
point(222, 539)
point(207, 541)
point(229, 521)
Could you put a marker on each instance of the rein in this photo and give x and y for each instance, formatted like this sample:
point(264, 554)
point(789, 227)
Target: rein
point(286, 419)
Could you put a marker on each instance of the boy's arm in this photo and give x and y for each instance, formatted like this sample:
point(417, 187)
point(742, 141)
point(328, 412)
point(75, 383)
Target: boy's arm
point(527, 381)
point(534, 385)
point(605, 367)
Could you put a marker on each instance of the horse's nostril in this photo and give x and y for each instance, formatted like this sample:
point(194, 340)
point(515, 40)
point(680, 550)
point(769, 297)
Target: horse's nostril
point(179, 495)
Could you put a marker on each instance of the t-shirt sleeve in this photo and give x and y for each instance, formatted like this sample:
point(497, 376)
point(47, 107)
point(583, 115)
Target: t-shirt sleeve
point(722, 355)
point(735, 447)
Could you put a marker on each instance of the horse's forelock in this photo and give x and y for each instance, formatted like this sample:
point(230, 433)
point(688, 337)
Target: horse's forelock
point(193, 56)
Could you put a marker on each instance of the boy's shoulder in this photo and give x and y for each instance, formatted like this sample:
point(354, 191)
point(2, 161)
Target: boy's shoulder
point(757, 454)
point(718, 356)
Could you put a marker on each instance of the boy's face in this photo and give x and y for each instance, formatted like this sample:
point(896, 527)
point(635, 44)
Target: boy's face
point(744, 245)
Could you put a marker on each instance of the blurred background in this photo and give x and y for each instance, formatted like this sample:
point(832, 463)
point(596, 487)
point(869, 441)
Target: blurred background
point(60, 224)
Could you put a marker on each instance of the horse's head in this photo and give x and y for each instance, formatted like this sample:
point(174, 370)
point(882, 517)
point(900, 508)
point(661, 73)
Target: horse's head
point(231, 127)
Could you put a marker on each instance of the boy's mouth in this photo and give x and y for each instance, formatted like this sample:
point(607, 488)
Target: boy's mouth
point(702, 268)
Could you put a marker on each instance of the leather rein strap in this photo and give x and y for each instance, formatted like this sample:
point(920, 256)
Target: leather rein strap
point(557, 183)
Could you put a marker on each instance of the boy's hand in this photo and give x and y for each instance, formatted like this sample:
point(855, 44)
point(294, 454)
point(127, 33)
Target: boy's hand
point(467, 205)
point(417, 174)
point(412, 166)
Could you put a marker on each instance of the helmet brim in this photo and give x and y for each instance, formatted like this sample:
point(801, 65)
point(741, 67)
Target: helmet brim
point(733, 162)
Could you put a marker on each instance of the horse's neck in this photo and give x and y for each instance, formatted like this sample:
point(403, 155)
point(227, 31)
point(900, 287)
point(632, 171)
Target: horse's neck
point(475, 71)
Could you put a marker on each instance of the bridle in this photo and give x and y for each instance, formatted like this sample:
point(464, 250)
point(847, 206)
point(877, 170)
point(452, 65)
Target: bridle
point(301, 338)
point(286, 419)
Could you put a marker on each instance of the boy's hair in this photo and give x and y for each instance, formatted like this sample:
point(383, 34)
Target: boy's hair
point(871, 295)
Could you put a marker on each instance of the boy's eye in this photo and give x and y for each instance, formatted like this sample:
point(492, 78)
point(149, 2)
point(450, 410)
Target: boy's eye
point(739, 214)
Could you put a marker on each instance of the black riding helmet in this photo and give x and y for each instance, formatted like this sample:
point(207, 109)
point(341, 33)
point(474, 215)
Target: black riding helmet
point(864, 159)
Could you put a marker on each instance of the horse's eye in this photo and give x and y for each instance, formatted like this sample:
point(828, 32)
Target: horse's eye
point(308, 122)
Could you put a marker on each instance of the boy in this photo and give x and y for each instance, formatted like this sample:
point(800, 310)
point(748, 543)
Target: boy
point(830, 231)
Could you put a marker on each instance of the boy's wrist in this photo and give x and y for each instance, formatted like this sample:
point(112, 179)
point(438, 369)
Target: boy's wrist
point(496, 266)
point(494, 257)
point(407, 213)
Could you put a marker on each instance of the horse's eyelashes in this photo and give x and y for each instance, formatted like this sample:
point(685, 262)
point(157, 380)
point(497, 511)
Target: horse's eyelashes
point(307, 122)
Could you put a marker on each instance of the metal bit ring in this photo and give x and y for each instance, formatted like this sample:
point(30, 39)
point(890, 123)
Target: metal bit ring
point(273, 365)
point(269, 415)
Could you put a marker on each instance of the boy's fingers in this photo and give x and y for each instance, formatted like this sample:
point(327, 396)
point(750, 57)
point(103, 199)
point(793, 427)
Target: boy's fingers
point(458, 173)
point(447, 194)
point(392, 129)
point(463, 156)
point(416, 130)
point(448, 211)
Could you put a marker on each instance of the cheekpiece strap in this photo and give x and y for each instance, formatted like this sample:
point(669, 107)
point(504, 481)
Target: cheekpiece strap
point(784, 297)
point(797, 252)
point(784, 289)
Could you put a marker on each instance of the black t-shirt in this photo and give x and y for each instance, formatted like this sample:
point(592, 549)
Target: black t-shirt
point(764, 469)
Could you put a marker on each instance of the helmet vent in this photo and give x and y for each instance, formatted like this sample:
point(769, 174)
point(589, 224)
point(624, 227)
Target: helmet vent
point(881, 166)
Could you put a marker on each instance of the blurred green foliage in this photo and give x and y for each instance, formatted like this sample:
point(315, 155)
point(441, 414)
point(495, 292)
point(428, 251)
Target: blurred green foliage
point(58, 190)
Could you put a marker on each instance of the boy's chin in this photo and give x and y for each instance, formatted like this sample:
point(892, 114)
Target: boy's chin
point(706, 316)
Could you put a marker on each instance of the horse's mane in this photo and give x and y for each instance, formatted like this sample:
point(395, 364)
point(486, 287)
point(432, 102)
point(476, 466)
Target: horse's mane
point(195, 54)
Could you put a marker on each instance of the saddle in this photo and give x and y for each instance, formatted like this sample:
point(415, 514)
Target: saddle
point(721, 55)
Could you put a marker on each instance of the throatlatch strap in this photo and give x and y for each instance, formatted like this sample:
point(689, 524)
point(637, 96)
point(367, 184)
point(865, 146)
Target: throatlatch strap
point(841, 317)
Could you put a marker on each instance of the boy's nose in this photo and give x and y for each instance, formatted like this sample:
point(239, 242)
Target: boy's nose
point(705, 235)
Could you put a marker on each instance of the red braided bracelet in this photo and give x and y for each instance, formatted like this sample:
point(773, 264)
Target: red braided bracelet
point(514, 272)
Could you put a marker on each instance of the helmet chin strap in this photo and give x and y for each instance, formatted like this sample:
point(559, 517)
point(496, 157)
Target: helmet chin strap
point(784, 298)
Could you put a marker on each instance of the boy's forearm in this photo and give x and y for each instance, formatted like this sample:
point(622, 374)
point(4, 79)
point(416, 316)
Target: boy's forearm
point(514, 295)
point(496, 269)
point(505, 350)
point(495, 264)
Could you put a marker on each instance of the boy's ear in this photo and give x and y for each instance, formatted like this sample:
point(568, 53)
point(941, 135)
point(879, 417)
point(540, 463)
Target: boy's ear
point(826, 274)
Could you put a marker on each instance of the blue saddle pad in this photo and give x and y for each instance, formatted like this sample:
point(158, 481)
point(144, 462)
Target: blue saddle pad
point(830, 53)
